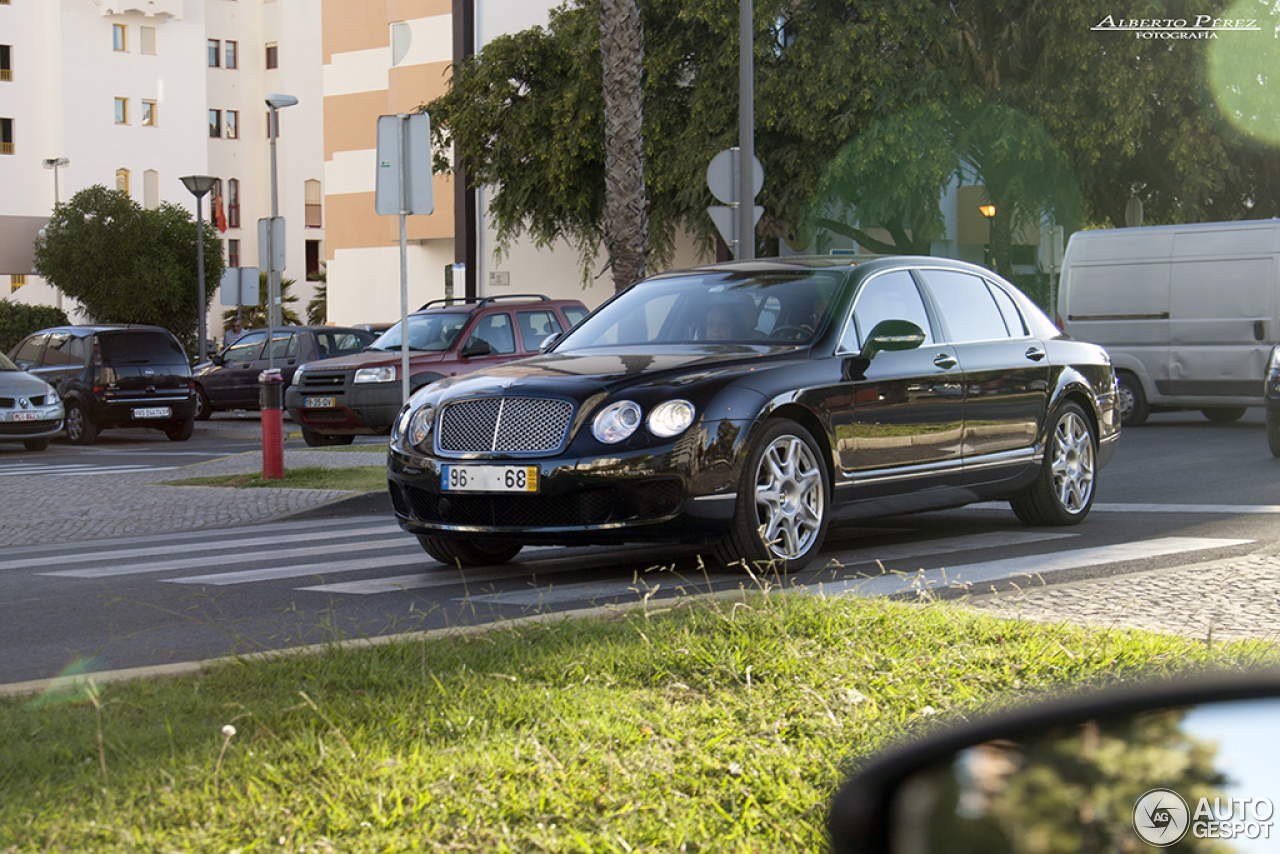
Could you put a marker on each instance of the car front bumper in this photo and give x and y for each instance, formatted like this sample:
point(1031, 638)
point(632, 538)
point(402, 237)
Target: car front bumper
point(47, 421)
point(682, 492)
point(359, 409)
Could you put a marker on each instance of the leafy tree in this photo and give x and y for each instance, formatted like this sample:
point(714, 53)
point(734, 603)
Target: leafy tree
point(255, 316)
point(129, 264)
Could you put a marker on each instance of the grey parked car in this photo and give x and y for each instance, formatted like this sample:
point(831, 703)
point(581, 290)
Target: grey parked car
point(30, 410)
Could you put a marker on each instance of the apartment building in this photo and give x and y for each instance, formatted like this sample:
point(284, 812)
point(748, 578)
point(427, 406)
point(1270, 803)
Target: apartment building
point(136, 94)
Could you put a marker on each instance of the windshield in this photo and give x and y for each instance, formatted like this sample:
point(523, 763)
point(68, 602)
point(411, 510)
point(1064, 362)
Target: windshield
point(713, 308)
point(433, 333)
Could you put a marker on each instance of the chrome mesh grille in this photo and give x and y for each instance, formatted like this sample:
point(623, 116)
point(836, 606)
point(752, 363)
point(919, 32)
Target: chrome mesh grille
point(508, 425)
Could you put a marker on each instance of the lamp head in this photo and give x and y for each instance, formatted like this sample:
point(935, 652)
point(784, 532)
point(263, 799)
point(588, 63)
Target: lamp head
point(989, 211)
point(198, 185)
point(279, 102)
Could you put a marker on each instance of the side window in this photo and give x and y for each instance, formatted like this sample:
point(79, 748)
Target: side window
point(496, 329)
point(284, 345)
point(1009, 311)
point(535, 326)
point(890, 296)
point(63, 350)
point(968, 308)
point(27, 355)
point(246, 348)
point(574, 314)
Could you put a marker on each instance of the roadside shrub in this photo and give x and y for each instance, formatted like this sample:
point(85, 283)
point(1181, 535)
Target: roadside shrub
point(18, 321)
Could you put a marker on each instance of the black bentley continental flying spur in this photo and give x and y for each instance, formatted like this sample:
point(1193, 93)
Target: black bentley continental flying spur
point(748, 406)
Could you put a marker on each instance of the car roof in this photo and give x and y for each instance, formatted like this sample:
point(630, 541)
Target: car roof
point(102, 327)
point(463, 304)
point(309, 328)
point(827, 262)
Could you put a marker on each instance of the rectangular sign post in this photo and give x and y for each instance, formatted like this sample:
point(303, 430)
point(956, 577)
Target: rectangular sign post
point(403, 187)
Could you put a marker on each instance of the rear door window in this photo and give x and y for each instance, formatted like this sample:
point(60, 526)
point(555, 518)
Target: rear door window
point(969, 311)
point(64, 350)
point(574, 314)
point(139, 348)
point(535, 326)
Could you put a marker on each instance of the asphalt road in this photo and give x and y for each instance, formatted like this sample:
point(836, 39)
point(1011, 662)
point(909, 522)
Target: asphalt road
point(1180, 491)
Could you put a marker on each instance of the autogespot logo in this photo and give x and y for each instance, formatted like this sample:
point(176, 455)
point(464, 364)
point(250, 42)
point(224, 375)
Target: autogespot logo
point(1160, 817)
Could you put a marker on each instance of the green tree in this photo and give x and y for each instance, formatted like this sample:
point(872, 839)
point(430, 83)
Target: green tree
point(129, 264)
point(255, 316)
point(18, 320)
point(318, 305)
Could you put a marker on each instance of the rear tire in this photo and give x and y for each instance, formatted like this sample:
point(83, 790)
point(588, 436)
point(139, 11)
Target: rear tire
point(80, 428)
point(1224, 414)
point(1063, 491)
point(469, 552)
point(1131, 399)
point(783, 502)
point(321, 440)
point(181, 431)
point(36, 444)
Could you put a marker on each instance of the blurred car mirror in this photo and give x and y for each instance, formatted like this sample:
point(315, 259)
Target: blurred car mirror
point(475, 347)
point(1115, 771)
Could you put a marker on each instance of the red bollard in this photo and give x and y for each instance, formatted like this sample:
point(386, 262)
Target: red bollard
point(269, 400)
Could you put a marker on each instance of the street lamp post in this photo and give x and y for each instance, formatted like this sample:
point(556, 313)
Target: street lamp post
point(989, 211)
point(56, 163)
point(198, 185)
point(276, 103)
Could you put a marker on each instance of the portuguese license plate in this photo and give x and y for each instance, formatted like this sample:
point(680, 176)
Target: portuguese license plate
point(152, 412)
point(26, 416)
point(319, 402)
point(489, 478)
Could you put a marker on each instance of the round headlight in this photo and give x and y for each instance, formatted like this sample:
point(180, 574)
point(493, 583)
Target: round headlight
point(420, 424)
point(616, 422)
point(671, 418)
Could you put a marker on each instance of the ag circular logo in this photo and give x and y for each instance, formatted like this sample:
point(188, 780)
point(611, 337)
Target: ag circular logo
point(1161, 817)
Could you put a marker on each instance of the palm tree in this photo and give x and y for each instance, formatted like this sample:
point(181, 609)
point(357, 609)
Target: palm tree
point(255, 316)
point(318, 307)
point(626, 221)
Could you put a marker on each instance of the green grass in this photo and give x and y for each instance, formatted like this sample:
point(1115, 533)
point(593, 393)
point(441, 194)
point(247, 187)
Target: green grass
point(712, 725)
point(361, 478)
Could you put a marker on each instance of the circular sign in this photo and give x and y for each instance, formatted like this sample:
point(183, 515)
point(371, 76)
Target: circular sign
point(1161, 817)
point(720, 177)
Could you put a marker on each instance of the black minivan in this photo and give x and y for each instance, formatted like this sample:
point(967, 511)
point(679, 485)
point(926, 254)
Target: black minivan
point(114, 376)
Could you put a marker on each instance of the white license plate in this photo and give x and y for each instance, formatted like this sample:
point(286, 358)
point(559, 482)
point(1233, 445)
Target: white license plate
point(153, 412)
point(26, 416)
point(319, 402)
point(489, 478)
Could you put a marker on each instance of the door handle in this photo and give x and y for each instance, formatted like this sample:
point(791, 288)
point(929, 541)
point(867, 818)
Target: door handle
point(945, 360)
point(1035, 354)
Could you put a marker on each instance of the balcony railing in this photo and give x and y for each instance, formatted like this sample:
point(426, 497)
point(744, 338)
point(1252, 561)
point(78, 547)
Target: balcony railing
point(6, 148)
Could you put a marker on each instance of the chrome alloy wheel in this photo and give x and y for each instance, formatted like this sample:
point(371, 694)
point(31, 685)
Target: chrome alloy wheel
point(1073, 463)
point(790, 497)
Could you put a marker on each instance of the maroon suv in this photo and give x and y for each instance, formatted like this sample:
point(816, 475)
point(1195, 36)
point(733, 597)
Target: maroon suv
point(334, 400)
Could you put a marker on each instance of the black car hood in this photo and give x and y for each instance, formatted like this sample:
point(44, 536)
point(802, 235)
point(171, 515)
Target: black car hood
point(590, 372)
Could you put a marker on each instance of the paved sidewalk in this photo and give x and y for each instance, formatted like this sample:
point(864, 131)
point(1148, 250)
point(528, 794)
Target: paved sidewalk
point(44, 509)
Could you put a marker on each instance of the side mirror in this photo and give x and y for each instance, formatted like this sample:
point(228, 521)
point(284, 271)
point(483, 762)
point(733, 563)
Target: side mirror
point(217, 359)
point(548, 342)
point(885, 335)
point(1118, 770)
point(475, 347)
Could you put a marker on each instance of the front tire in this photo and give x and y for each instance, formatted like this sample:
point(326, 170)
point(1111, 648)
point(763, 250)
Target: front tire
point(321, 440)
point(1063, 491)
point(783, 501)
point(469, 552)
point(1131, 399)
point(80, 428)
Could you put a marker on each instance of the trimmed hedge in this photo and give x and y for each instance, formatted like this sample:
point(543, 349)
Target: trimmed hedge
point(18, 321)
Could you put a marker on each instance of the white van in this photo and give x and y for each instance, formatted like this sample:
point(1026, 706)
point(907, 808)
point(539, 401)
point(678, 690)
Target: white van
point(1187, 312)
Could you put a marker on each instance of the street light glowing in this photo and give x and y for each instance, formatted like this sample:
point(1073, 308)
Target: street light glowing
point(989, 211)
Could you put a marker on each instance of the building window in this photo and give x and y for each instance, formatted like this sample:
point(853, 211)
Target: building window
point(233, 203)
point(149, 113)
point(119, 38)
point(273, 55)
point(6, 136)
point(151, 189)
point(233, 253)
point(233, 124)
point(147, 40)
point(232, 54)
point(312, 192)
point(122, 111)
point(215, 123)
point(122, 181)
point(16, 281)
point(6, 62)
point(215, 53)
